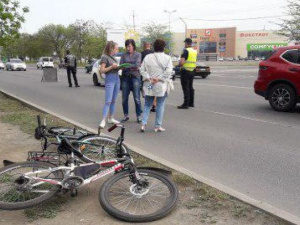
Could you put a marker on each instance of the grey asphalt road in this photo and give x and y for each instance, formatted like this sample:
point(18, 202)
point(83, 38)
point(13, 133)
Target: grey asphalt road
point(232, 137)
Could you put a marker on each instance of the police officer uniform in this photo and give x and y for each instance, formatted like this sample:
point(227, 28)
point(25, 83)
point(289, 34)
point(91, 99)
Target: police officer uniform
point(187, 75)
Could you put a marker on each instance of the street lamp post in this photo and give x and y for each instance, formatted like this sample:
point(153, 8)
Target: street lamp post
point(169, 12)
point(185, 27)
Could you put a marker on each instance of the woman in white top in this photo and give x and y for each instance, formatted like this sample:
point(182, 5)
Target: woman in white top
point(156, 70)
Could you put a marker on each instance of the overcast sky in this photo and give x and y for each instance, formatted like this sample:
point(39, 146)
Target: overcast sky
point(118, 12)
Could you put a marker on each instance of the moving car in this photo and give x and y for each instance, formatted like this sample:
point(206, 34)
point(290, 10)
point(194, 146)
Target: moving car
point(15, 64)
point(278, 78)
point(2, 66)
point(45, 62)
point(202, 70)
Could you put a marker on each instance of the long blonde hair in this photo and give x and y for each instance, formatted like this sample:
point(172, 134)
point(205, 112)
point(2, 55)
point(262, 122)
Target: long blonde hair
point(109, 47)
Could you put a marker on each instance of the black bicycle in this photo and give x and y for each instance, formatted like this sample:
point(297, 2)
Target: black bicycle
point(132, 194)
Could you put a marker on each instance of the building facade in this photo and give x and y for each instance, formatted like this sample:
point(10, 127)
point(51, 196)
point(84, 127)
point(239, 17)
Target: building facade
point(212, 44)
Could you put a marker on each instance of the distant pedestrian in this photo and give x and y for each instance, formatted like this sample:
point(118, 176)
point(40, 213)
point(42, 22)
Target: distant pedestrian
point(147, 50)
point(109, 66)
point(156, 70)
point(71, 65)
point(188, 64)
point(131, 80)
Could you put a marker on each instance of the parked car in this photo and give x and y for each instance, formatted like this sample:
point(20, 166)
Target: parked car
point(2, 66)
point(202, 70)
point(221, 59)
point(15, 64)
point(279, 78)
point(89, 66)
point(45, 62)
point(99, 79)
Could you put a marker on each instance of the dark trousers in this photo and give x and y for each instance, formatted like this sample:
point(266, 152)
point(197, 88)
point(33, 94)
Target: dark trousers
point(131, 83)
point(73, 71)
point(187, 78)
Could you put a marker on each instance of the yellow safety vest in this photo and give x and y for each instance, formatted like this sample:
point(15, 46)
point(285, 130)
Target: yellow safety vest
point(190, 62)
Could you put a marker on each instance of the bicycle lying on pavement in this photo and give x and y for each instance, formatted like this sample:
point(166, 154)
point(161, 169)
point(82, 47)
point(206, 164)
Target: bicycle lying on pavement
point(132, 194)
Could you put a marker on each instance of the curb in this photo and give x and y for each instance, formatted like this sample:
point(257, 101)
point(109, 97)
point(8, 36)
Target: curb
point(240, 196)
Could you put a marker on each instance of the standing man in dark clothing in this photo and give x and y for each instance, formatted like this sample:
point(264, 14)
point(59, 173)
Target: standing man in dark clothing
point(71, 64)
point(147, 50)
point(188, 64)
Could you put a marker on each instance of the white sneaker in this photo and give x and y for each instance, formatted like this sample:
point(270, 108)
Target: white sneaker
point(102, 124)
point(112, 120)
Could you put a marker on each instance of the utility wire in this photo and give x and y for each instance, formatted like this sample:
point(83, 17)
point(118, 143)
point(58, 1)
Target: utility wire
point(252, 18)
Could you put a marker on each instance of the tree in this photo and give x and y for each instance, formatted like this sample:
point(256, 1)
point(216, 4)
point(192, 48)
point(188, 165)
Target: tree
point(57, 37)
point(291, 27)
point(11, 19)
point(153, 31)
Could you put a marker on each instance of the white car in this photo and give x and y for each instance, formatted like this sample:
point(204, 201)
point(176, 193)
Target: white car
point(99, 79)
point(45, 62)
point(15, 64)
point(2, 66)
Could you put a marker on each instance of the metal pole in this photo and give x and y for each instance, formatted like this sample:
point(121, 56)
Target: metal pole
point(185, 26)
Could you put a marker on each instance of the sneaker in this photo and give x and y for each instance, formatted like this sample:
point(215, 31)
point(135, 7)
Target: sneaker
point(126, 118)
point(102, 124)
point(138, 120)
point(113, 120)
point(159, 129)
point(77, 86)
point(143, 128)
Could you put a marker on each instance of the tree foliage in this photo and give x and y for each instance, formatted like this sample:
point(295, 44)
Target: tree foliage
point(11, 19)
point(291, 27)
point(153, 31)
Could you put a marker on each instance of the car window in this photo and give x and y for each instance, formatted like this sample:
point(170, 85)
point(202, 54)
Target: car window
point(269, 55)
point(46, 59)
point(16, 61)
point(291, 56)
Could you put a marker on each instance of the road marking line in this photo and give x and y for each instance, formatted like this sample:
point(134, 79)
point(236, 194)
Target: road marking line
point(223, 85)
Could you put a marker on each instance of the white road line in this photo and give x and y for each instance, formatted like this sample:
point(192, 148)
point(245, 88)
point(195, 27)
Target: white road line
point(240, 117)
point(222, 85)
point(236, 76)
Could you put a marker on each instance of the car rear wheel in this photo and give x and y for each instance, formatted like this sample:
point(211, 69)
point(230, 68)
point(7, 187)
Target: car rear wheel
point(282, 97)
point(95, 80)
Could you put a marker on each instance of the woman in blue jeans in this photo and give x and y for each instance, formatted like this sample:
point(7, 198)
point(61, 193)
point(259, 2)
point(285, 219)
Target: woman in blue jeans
point(156, 70)
point(109, 66)
point(131, 80)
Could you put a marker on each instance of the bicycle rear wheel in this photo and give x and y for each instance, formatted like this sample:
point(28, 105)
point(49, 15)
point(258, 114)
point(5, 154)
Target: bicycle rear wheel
point(18, 192)
point(123, 200)
point(99, 148)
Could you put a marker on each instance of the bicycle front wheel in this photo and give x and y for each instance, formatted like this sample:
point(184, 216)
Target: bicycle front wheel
point(125, 201)
point(98, 148)
point(19, 192)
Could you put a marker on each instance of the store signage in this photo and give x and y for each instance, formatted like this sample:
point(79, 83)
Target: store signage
point(264, 47)
point(208, 32)
point(259, 34)
point(222, 35)
point(193, 36)
point(204, 38)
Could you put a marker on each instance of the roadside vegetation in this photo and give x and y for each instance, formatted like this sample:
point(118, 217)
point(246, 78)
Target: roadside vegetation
point(207, 204)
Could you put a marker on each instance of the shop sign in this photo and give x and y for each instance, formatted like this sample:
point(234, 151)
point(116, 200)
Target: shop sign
point(222, 35)
point(258, 34)
point(208, 32)
point(264, 47)
point(204, 38)
point(193, 36)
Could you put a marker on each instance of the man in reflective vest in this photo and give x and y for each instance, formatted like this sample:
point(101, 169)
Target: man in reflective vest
point(71, 64)
point(188, 64)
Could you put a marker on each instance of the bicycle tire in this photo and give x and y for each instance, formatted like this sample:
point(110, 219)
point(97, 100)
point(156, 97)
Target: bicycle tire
point(98, 148)
point(166, 208)
point(4, 176)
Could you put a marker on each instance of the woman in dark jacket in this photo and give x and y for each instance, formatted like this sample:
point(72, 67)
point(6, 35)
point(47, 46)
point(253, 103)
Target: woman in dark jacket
point(131, 80)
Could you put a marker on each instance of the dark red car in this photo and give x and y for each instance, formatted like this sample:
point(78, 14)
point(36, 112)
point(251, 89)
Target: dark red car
point(279, 78)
